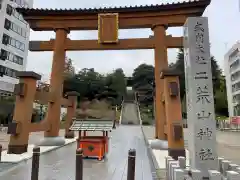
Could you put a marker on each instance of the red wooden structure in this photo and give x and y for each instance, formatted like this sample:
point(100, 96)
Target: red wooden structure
point(93, 146)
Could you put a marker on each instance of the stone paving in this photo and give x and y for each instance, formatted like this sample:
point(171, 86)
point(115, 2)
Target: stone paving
point(34, 138)
point(228, 143)
point(60, 164)
point(130, 114)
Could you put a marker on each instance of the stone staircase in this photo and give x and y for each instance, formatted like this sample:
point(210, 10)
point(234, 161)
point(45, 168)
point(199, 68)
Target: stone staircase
point(130, 114)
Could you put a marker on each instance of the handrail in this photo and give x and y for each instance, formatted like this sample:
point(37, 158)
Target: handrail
point(120, 118)
point(139, 114)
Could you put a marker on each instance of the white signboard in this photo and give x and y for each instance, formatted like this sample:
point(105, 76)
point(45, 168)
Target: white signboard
point(199, 94)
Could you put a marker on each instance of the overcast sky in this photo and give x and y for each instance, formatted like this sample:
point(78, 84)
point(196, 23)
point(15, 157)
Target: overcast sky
point(224, 27)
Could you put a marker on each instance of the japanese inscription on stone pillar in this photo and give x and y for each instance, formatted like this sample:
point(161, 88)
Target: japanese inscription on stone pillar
point(199, 92)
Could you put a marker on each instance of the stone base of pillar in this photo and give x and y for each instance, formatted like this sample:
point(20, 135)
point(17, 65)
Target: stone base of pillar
point(159, 144)
point(52, 141)
point(17, 149)
point(175, 153)
point(69, 135)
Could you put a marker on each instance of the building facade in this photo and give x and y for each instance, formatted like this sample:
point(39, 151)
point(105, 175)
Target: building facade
point(232, 74)
point(14, 40)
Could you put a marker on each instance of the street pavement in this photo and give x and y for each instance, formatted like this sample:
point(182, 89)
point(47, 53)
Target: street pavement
point(228, 143)
point(34, 137)
point(60, 164)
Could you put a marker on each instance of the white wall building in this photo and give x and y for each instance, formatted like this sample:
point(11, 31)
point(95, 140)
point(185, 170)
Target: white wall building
point(232, 72)
point(14, 40)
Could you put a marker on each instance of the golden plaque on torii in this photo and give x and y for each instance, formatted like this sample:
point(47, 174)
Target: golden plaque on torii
point(108, 28)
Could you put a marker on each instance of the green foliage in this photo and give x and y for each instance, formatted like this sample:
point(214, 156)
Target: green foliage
point(143, 82)
point(69, 69)
point(146, 113)
point(143, 76)
point(179, 65)
point(219, 85)
point(146, 123)
point(8, 99)
point(221, 98)
point(91, 84)
point(6, 109)
point(116, 81)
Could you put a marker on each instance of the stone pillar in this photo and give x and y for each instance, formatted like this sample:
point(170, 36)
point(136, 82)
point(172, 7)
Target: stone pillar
point(56, 87)
point(161, 62)
point(200, 99)
point(19, 128)
point(173, 114)
point(72, 96)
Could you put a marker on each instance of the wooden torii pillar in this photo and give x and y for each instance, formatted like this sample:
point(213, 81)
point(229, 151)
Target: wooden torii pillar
point(161, 62)
point(173, 127)
point(19, 128)
point(71, 110)
point(56, 89)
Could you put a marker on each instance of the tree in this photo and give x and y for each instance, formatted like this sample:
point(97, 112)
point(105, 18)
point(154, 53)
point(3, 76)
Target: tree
point(69, 68)
point(116, 81)
point(216, 75)
point(91, 84)
point(143, 82)
point(87, 82)
point(221, 98)
point(42, 86)
point(179, 65)
point(143, 75)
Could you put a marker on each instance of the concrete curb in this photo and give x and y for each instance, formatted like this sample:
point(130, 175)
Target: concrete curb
point(152, 158)
point(57, 147)
point(150, 150)
point(24, 161)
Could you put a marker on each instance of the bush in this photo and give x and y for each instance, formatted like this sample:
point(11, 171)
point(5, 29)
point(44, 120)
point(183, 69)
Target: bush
point(146, 123)
point(64, 116)
point(118, 115)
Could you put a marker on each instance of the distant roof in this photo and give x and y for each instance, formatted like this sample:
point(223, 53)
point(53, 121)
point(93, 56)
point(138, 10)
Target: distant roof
point(121, 9)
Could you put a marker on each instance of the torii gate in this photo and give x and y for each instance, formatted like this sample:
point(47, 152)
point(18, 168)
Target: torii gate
point(108, 21)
